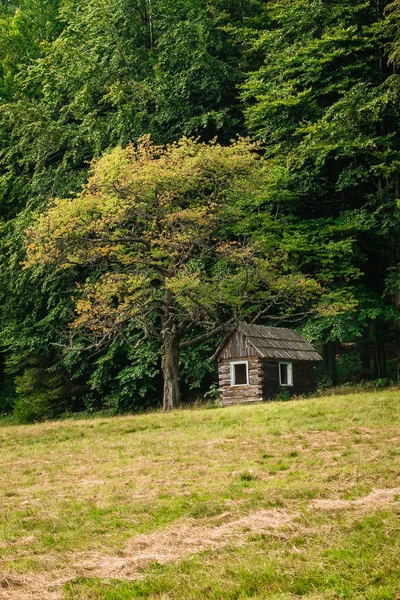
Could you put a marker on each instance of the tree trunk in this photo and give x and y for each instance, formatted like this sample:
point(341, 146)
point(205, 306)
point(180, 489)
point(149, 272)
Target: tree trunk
point(363, 346)
point(397, 333)
point(2, 372)
point(330, 361)
point(170, 367)
point(394, 261)
point(380, 356)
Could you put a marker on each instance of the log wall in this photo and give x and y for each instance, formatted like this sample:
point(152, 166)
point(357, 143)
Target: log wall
point(263, 380)
point(271, 387)
point(304, 378)
point(239, 394)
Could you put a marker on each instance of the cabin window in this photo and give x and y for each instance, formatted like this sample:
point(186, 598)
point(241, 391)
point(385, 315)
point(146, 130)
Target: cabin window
point(240, 373)
point(285, 373)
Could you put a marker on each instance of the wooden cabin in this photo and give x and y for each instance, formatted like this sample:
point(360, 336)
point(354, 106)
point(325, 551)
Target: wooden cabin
point(257, 363)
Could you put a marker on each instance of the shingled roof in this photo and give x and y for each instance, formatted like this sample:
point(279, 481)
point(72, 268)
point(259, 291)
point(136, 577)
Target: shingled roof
point(276, 342)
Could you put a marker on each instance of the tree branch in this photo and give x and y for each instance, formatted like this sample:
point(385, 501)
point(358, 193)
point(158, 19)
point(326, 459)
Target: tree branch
point(207, 336)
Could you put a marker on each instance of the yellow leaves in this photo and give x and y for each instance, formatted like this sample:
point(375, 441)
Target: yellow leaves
point(183, 283)
point(110, 169)
point(146, 215)
point(239, 254)
point(104, 304)
point(335, 303)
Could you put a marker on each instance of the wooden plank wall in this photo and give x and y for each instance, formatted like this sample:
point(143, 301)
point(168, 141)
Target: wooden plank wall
point(271, 387)
point(241, 393)
point(304, 378)
point(237, 347)
point(263, 377)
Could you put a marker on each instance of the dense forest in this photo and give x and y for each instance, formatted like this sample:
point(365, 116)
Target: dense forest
point(168, 168)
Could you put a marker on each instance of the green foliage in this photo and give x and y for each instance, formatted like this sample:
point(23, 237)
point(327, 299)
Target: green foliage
point(23, 32)
point(325, 103)
point(117, 69)
point(316, 82)
point(7, 395)
point(213, 395)
point(196, 364)
point(123, 380)
point(284, 395)
point(155, 231)
point(40, 394)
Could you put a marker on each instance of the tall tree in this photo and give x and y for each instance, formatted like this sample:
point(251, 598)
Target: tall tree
point(156, 230)
point(77, 78)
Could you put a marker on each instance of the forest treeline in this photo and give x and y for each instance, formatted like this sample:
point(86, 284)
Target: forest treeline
point(307, 212)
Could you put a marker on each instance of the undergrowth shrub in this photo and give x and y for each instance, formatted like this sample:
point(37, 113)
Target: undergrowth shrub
point(40, 395)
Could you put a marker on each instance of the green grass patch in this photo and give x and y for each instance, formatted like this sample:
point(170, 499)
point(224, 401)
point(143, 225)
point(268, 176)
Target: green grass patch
point(356, 562)
point(81, 490)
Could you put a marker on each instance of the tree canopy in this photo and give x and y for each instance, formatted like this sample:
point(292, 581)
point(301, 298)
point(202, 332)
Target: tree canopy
point(315, 203)
point(158, 231)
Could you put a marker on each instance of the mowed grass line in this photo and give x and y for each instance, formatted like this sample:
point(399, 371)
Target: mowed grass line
point(78, 489)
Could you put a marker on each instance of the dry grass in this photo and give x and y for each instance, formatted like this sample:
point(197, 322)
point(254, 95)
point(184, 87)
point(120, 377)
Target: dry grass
point(270, 499)
point(182, 540)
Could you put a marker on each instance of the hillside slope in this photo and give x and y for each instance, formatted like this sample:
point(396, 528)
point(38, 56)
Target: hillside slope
point(282, 500)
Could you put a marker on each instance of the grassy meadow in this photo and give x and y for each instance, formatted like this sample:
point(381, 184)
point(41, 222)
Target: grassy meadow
point(279, 501)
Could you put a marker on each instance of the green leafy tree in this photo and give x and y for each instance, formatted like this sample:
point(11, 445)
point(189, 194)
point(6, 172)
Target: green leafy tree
point(156, 230)
point(24, 29)
point(76, 79)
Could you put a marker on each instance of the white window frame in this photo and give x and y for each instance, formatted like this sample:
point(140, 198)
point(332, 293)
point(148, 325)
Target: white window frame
point(239, 362)
point(289, 372)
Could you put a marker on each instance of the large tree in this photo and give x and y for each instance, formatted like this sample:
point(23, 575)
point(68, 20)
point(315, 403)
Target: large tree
point(158, 236)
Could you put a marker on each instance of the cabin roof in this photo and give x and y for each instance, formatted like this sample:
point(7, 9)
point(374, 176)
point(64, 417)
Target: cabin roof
point(275, 342)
